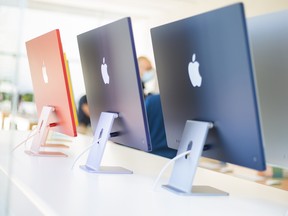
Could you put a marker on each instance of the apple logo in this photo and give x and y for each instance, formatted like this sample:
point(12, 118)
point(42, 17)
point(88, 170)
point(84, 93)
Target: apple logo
point(193, 70)
point(104, 72)
point(44, 73)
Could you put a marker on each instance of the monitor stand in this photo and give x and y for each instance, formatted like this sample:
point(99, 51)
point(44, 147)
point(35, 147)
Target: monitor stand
point(101, 136)
point(183, 173)
point(40, 138)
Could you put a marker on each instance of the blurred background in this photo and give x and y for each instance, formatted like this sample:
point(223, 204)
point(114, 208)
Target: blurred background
point(22, 20)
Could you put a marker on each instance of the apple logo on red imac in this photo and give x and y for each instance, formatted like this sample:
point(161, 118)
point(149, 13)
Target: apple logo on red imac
point(193, 70)
point(104, 72)
point(44, 73)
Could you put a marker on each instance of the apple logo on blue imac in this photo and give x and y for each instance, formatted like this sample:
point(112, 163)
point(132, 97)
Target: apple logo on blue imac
point(193, 70)
point(104, 72)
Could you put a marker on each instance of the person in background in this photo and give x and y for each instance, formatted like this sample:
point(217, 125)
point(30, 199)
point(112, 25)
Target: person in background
point(156, 127)
point(83, 114)
point(154, 109)
point(148, 76)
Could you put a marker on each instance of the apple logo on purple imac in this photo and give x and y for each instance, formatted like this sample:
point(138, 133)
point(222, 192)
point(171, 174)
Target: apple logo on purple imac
point(44, 73)
point(104, 72)
point(193, 70)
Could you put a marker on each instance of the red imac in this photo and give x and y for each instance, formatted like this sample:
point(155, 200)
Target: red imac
point(52, 90)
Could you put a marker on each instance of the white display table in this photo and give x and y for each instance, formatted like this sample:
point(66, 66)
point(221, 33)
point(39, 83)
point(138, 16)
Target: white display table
point(48, 186)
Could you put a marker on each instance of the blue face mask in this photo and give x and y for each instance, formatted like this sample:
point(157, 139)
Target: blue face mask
point(147, 76)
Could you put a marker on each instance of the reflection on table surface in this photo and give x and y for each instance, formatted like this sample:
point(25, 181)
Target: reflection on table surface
point(273, 176)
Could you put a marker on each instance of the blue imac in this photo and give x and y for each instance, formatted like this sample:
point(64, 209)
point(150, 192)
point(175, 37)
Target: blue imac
point(269, 44)
point(114, 91)
point(208, 94)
